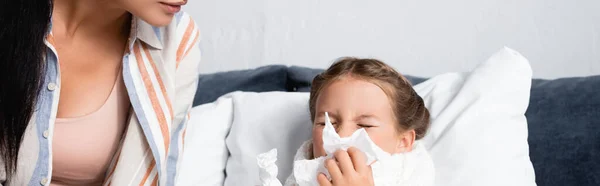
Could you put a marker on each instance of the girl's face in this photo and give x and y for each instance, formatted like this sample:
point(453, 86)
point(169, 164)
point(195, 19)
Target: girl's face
point(353, 104)
point(155, 12)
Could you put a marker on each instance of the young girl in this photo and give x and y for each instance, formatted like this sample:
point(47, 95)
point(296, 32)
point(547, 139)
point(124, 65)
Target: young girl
point(368, 94)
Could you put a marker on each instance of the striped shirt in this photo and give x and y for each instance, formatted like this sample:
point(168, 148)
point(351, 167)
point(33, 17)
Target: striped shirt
point(160, 71)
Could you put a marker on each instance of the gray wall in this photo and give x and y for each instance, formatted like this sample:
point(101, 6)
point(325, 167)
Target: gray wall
point(419, 37)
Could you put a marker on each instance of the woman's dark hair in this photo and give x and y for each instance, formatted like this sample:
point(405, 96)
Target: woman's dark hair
point(23, 28)
point(409, 109)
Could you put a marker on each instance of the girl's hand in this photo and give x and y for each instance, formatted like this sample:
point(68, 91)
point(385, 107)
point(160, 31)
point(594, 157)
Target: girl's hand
point(350, 169)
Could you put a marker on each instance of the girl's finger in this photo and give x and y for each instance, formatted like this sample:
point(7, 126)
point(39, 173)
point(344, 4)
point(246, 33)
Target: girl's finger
point(323, 181)
point(333, 169)
point(344, 162)
point(359, 160)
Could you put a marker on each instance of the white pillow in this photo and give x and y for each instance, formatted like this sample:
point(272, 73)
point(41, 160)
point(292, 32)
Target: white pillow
point(478, 134)
point(205, 154)
point(263, 121)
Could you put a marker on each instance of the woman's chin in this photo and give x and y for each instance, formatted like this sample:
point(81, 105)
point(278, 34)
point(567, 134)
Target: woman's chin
point(158, 19)
point(162, 22)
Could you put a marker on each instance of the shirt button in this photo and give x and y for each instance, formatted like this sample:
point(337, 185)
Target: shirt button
point(51, 86)
point(44, 181)
point(46, 133)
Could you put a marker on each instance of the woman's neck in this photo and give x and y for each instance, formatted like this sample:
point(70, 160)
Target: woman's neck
point(88, 17)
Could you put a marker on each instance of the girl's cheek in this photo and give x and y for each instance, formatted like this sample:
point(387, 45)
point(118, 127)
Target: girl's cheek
point(384, 141)
point(317, 138)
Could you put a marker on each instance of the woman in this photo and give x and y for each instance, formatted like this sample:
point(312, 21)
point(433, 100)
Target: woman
point(94, 92)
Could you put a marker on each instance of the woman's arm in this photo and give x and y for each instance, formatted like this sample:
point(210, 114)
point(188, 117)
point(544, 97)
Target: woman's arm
point(186, 83)
point(186, 79)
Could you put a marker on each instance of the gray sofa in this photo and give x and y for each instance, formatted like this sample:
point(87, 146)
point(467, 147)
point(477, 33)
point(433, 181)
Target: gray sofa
point(563, 117)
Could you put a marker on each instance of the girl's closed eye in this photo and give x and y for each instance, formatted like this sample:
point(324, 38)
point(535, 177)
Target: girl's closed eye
point(366, 125)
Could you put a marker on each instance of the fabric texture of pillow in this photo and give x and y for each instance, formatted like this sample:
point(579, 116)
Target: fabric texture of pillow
point(263, 79)
point(564, 131)
point(263, 121)
point(478, 134)
point(205, 154)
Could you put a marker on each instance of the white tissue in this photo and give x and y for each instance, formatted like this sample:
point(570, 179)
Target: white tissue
point(268, 169)
point(306, 171)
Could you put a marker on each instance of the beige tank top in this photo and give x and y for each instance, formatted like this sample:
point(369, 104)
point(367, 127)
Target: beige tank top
point(83, 147)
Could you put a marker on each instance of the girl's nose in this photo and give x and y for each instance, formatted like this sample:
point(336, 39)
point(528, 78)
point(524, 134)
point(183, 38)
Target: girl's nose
point(344, 130)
